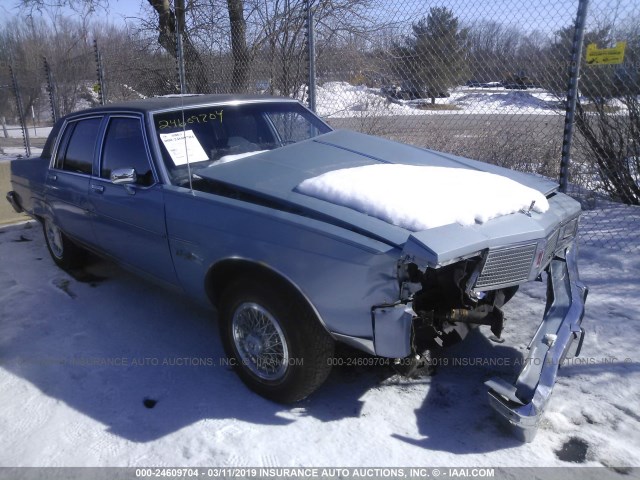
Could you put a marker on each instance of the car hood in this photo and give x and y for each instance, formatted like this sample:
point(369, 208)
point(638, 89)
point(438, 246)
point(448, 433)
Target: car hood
point(274, 175)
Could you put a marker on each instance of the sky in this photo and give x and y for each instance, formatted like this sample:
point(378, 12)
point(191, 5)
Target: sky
point(118, 10)
point(542, 15)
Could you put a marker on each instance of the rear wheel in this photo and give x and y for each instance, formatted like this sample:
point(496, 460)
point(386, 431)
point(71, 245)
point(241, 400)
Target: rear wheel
point(274, 341)
point(64, 252)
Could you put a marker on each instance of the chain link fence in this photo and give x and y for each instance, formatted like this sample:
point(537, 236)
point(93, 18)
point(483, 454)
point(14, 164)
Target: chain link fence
point(605, 168)
point(484, 79)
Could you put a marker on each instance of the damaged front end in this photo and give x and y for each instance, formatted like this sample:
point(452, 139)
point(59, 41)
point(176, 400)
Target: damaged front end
point(442, 296)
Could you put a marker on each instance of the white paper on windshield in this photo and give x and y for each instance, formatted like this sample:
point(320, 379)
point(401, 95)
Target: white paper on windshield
point(183, 147)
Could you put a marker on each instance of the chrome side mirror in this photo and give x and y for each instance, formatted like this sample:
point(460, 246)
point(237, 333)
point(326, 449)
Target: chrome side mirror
point(124, 176)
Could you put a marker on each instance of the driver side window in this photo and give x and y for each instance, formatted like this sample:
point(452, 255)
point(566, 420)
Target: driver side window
point(124, 147)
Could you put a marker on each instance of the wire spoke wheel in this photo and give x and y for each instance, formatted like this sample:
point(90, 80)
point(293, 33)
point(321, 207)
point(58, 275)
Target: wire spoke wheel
point(277, 345)
point(64, 252)
point(54, 239)
point(260, 341)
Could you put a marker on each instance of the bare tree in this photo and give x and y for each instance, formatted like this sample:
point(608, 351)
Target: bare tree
point(613, 141)
point(67, 45)
point(171, 24)
point(239, 49)
point(608, 119)
point(277, 28)
point(492, 47)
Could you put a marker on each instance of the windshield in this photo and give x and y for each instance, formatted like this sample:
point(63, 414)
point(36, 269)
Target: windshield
point(207, 136)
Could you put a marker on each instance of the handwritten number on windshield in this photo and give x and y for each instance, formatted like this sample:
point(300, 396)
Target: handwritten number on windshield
point(200, 118)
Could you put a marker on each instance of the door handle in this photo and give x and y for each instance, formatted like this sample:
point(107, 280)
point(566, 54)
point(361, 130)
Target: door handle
point(53, 177)
point(97, 188)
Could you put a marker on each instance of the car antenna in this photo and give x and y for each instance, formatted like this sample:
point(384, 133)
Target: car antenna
point(183, 91)
point(184, 139)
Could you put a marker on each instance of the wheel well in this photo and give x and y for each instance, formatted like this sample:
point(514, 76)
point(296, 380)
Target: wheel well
point(227, 271)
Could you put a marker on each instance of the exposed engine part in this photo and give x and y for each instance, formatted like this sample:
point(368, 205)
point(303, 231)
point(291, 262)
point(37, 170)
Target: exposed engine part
point(445, 307)
point(482, 315)
point(443, 288)
point(415, 365)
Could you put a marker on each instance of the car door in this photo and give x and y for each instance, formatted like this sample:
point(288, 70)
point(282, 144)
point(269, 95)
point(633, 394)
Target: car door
point(67, 183)
point(129, 220)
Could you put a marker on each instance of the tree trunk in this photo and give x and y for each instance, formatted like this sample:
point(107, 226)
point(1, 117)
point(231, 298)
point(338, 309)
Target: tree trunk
point(195, 71)
point(240, 53)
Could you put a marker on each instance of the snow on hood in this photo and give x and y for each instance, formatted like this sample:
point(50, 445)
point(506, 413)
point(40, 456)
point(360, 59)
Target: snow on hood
point(422, 197)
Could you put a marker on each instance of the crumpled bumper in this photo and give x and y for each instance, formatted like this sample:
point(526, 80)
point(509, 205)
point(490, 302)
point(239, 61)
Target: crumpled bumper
point(559, 336)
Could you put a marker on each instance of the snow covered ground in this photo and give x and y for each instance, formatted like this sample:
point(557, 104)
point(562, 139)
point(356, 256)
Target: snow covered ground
point(81, 354)
point(12, 149)
point(340, 99)
point(14, 131)
point(8, 154)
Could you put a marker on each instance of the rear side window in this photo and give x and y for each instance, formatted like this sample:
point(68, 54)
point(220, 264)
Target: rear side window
point(124, 147)
point(77, 146)
point(293, 127)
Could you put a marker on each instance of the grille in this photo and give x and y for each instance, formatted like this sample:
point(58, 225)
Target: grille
point(507, 266)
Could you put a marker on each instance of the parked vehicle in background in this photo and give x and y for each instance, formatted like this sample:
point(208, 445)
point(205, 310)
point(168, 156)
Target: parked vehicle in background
point(476, 84)
point(518, 82)
point(303, 237)
point(491, 84)
point(391, 91)
point(515, 86)
point(415, 90)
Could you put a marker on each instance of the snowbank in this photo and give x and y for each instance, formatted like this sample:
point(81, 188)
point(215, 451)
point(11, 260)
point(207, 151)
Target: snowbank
point(507, 101)
point(417, 197)
point(341, 99)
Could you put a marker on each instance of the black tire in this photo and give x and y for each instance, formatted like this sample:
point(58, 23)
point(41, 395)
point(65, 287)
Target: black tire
point(66, 254)
point(303, 361)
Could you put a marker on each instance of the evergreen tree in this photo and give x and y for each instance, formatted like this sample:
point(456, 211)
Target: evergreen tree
point(434, 58)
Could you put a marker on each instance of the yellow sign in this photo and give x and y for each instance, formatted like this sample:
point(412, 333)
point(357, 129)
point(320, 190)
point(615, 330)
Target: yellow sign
point(605, 56)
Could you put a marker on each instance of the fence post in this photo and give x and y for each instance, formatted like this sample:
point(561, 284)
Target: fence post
point(311, 52)
point(51, 90)
point(23, 123)
point(102, 94)
point(5, 132)
point(572, 92)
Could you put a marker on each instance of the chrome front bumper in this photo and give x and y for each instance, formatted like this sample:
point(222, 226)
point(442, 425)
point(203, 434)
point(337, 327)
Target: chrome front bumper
point(559, 336)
